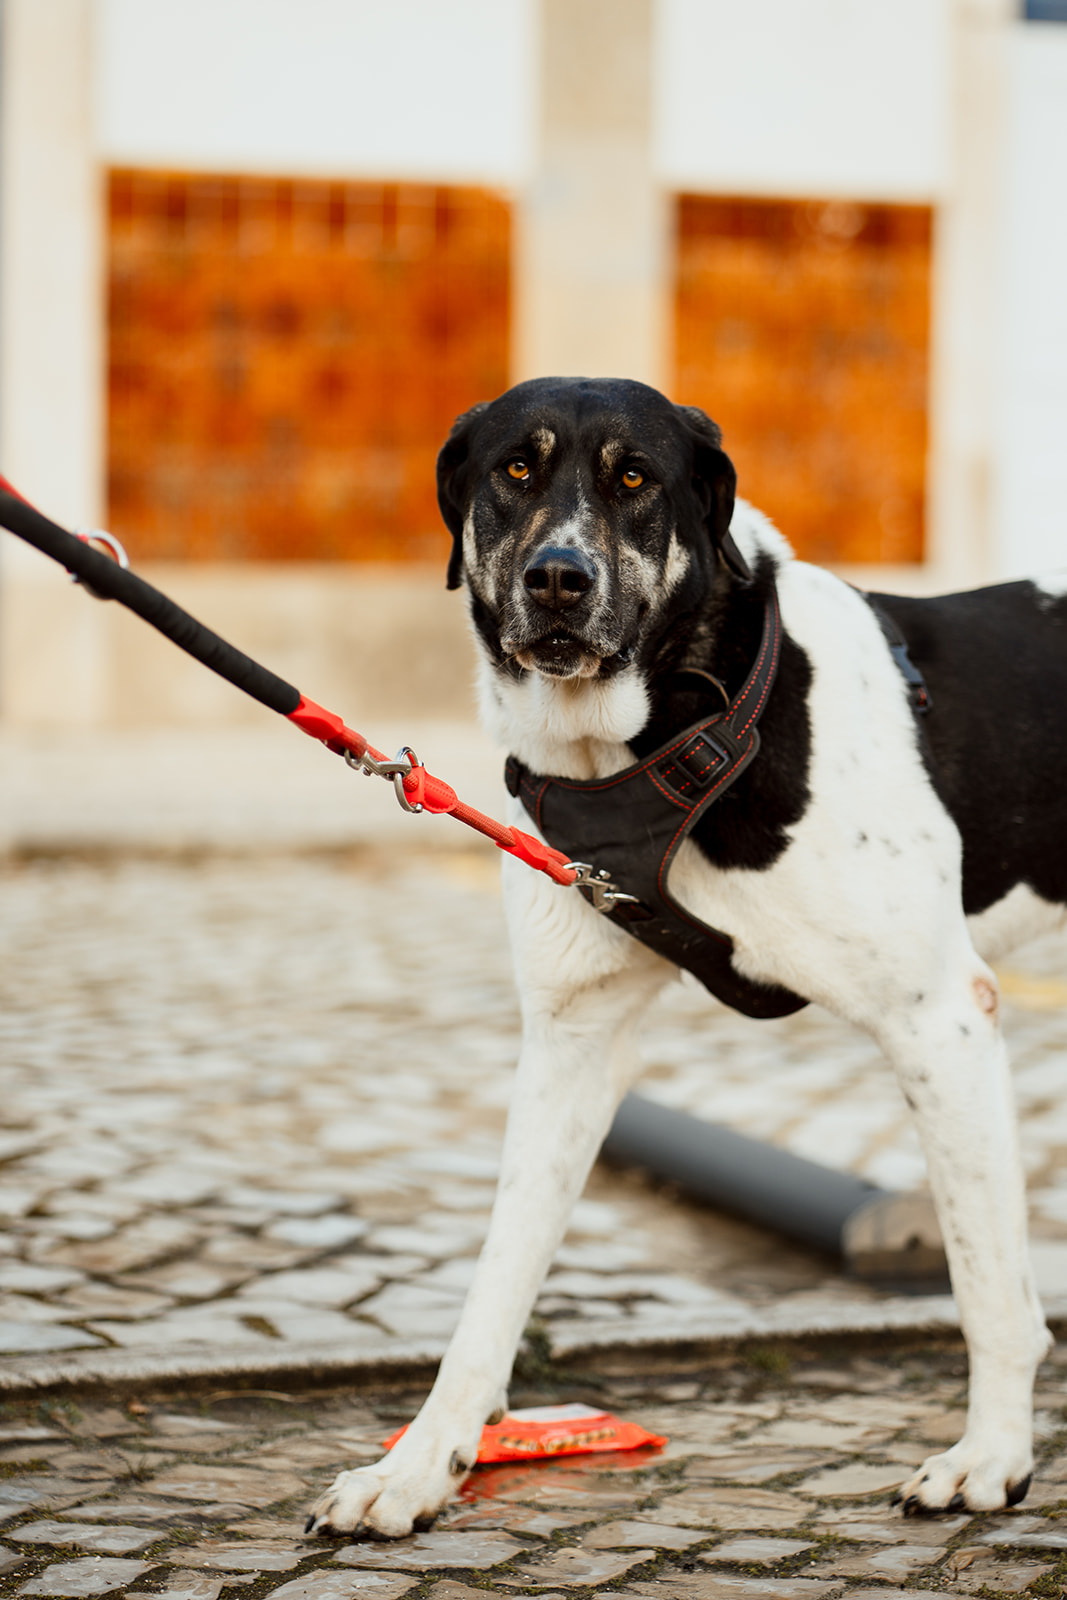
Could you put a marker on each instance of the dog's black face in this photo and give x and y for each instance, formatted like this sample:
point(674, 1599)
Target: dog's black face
point(585, 513)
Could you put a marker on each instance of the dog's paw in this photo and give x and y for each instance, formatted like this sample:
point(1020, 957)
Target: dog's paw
point(382, 1501)
point(966, 1479)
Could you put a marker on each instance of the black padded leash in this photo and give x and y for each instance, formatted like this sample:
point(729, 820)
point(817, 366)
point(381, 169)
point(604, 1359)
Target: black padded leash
point(107, 579)
point(633, 823)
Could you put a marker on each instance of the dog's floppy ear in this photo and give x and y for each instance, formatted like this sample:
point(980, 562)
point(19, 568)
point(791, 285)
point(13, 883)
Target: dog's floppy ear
point(452, 466)
point(715, 480)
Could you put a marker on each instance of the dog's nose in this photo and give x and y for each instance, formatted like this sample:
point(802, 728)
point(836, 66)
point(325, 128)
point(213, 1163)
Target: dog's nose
point(557, 578)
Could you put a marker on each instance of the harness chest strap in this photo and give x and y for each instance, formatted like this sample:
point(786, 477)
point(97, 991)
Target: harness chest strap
point(633, 823)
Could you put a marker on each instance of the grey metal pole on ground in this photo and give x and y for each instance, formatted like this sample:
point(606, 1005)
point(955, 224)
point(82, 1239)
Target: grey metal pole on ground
point(885, 1237)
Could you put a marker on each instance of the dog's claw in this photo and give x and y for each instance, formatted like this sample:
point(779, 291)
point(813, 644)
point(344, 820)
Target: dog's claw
point(310, 1523)
point(1017, 1491)
point(896, 1499)
point(912, 1506)
point(957, 1503)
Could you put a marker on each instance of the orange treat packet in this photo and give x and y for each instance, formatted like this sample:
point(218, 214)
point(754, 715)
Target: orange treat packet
point(541, 1432)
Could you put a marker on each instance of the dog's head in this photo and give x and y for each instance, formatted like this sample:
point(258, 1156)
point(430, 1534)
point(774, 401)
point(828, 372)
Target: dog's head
point(585, 514)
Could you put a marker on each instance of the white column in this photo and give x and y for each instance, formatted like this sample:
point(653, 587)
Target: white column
point(51, 350)
point(1030, 479)
point(591, 282)
point(965, 306)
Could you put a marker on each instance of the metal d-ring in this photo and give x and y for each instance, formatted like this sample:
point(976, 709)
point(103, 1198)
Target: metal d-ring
point(398, 778)
point(99, 536)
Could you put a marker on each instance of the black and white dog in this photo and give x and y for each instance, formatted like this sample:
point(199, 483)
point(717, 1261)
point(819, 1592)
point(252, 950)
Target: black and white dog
point(867, 859)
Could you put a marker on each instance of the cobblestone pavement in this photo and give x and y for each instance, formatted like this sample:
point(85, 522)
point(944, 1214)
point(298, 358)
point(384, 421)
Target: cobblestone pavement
point(250, 1111)
point(776, 1482)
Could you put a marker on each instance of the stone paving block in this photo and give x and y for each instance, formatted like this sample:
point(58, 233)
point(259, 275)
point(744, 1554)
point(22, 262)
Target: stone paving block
point(1040, 1539)
point(852, 1482)
point(59, 1225)
point(185, 1586)
point(1010, 1526)
point(449, 1590)
point(630, 1535)
point(350, 1585)
point(425, 1239)
point(139, 1245)
point(755, 1466)
point(27, 1493)
point(970, 1566)
point(228, 1556)
point(182, 1424)
point(573, 1568)
point(867, 1528)
point(23, 1277)
point(10, 1559)
point(169, 1185)
point(318, 1233)
point(887, 1561)
point(729, 1509)
point(756, 1552)
point(943, 1429)
point(818, 1432)
point(126, 1511)
point(514, 1519)
point(181, 1328)
point(19, 1309)
point(285, 1202)
point(553, 1486)
point(881, 1593)
point(426, 1552)
point(36, 1338)
point(334, 1285)
point(13, 1432)
point(87, 1576)
point(722, 1586)
point(101, 1300)
point(117, 1539)
point(242, 1485)
point(250, 1255)
point(302, 1455)
point(192, 1280)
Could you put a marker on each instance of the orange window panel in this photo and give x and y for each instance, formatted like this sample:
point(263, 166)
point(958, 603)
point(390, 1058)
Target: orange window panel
point(286, 358)
point(802, 328)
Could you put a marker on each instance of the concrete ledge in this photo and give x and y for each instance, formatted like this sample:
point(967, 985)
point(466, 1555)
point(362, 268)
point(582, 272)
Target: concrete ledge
point(650, 1341)
point(190, 1365)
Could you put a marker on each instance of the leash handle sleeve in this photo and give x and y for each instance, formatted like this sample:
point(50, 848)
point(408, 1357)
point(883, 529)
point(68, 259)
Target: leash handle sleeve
point(107, 578)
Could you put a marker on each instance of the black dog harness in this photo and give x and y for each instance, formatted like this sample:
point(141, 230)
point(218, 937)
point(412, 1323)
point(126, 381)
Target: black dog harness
point(632, 824)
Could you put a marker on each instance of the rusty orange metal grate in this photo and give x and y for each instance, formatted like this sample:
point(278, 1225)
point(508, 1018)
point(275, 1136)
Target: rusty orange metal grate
point(286, 357)
point(802, 327)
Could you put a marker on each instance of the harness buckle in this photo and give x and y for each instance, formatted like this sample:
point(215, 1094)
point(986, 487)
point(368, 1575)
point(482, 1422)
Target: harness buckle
point(700, 759)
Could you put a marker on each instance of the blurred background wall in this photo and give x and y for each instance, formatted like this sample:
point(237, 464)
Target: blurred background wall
point(255, 256)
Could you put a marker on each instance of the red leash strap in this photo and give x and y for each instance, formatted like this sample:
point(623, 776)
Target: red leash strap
point(425, 792)
point(106, 578)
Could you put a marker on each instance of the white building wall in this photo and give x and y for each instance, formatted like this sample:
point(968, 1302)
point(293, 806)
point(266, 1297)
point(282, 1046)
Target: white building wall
point(436, 90)
point(1030, 484)
point(804, 97)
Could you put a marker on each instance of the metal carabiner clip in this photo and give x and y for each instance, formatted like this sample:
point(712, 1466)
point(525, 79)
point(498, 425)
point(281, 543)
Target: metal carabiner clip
point(404, 762)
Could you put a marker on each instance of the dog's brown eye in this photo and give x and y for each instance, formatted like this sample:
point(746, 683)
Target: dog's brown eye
point(518, 469)
point(632, 478)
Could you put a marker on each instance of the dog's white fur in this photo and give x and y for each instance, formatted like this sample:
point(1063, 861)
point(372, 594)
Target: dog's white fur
point(875, 933)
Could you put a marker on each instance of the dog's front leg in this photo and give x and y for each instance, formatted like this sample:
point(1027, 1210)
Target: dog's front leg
point(576, 1062)
point(953, 1068)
